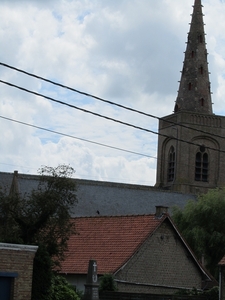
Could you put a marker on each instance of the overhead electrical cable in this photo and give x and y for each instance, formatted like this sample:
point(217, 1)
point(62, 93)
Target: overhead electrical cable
point(77, 91)
point(76, 107)
point(82, 139)
point(102, 116)
point(104, 100)
point(74, 137)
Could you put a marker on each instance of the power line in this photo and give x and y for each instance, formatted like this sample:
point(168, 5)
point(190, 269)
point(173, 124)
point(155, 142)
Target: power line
point(77, 91)
point(74, 137)
point(76, 107)
point(85, 140)
point(105, 117)
point(104, 100)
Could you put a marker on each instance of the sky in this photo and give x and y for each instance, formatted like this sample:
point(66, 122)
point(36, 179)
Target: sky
point(129, 52)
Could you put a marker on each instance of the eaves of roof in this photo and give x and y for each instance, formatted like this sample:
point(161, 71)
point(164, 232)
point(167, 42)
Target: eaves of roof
point(200, 266)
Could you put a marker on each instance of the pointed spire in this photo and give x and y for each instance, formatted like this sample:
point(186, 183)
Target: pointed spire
point(194, 93)
point(14, 189)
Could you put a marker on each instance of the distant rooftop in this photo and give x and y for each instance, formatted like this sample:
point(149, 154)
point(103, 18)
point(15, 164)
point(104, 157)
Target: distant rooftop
point(105, 198)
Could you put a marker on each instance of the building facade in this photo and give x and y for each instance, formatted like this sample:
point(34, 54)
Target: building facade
point(191, 146)
point(222, 279)
point(16, 271)
point(145, 253)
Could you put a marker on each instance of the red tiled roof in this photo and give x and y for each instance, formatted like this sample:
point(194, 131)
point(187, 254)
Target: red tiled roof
point(222, 262)
point(111, 241)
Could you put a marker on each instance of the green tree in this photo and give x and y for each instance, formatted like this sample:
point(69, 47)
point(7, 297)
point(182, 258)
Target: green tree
point(41, 217)
point(107, 283)
point(62, 290)
point(42, 275)
point(202, 223)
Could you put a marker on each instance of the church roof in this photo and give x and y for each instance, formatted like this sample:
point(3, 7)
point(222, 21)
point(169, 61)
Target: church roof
point(194, 93)
point(104, 198)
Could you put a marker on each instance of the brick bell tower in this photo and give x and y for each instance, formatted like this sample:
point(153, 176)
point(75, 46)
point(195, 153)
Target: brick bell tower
point(191, 147)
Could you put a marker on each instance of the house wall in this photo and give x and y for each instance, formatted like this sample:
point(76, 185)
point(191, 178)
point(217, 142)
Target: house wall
point(16, 261)
point(78, 281)
point(222, 282)
point(161, 265)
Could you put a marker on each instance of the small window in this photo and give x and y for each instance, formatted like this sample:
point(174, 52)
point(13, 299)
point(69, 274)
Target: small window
point(201, 70)
point(189, 86)
point(171, 165)
point(202, 102)
point(200, 38)
point(192, 54)
point(176, 108)
point(201, 165)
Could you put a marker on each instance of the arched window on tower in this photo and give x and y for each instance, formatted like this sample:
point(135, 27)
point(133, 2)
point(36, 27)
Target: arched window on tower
point(202, 101)
point(189, 86)
point(176, 108)
point(201, 165)
point(171, 164)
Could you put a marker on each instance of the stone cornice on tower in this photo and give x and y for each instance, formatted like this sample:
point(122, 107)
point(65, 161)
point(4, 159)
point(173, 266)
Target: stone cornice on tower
point(194, 93)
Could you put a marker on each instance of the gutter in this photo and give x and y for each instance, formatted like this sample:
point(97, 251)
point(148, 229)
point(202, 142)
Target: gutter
point(155, 285)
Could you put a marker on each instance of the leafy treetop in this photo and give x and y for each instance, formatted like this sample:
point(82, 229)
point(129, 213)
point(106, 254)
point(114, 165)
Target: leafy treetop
point(202, 223)
point(43, 215)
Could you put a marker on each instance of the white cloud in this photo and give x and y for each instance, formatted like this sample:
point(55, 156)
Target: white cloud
point(130, 52)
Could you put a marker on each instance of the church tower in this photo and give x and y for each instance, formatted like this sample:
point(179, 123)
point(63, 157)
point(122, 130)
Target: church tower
point(191, 147)
point(194, 92)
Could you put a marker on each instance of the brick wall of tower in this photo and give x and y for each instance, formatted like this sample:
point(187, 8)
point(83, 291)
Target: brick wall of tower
point(197, 129)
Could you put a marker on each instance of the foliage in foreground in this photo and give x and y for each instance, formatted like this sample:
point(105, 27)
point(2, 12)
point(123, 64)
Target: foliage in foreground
point(62, 290)
point(202, 224)
point(107, 283)
point(41, 217)
point(211, 294)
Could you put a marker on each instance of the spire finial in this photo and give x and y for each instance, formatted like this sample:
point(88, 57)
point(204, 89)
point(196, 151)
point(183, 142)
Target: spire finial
point(194, 92)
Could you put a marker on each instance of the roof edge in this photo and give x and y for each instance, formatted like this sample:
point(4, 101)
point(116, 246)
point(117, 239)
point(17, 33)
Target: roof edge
point(204, 271)
point(100, 183)
point(18, 247)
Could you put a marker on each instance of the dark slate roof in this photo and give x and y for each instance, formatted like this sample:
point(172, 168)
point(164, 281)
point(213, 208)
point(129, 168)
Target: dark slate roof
point(107, 198)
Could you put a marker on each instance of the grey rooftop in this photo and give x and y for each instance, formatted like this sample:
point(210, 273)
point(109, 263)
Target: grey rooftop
point(105, 198)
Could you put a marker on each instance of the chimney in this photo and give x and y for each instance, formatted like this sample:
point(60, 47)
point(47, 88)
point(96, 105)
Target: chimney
point(160, 211)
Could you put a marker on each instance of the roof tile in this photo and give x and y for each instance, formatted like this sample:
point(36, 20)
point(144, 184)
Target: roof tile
point(111, 241)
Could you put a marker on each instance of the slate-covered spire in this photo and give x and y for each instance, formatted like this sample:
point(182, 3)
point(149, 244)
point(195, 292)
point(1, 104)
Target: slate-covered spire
point(194, 93)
